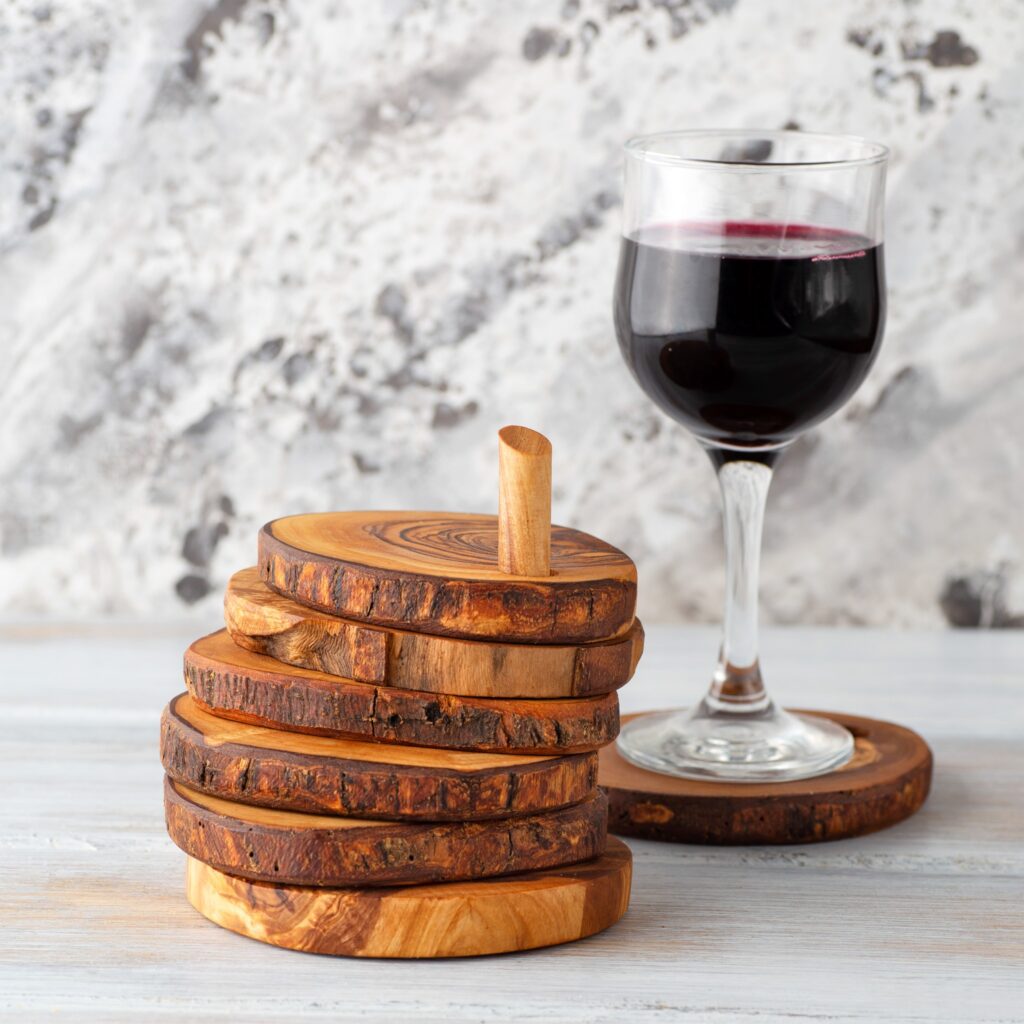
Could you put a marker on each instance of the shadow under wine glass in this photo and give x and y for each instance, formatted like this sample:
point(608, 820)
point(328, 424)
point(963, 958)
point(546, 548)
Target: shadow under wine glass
point(749, 305)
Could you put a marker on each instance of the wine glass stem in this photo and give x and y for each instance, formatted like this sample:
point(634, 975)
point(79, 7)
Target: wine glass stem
point(736, 686)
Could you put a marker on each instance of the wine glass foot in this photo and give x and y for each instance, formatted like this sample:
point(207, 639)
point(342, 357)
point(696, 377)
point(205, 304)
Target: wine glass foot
point(771, 745)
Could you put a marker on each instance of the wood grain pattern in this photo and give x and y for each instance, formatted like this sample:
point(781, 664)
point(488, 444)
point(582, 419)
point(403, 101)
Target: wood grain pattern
point(292, 771)
point(527, 911)
point(886, 781)
point(524, 502)
point(235, 683)
point(437, 572)
point(312, 849)
point(261, 620)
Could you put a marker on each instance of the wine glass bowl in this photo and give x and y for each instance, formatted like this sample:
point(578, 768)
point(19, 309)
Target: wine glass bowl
point(749, 306)
point(756, 336)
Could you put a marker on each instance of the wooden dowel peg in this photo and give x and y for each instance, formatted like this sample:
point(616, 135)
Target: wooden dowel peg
point(524, 502)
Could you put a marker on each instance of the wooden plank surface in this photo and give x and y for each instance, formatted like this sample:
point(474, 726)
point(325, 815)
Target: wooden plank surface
point(919, 923)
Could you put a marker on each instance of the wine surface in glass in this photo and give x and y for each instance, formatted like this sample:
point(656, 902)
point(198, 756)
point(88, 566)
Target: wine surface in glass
point(748, 334)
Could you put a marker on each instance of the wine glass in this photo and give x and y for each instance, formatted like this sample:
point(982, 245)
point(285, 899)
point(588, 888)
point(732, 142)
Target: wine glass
point(749, 305)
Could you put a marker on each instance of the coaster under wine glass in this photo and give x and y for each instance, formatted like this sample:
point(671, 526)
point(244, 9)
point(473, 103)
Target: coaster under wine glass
point(438, 572)
point(886, 781)
point(501, 915)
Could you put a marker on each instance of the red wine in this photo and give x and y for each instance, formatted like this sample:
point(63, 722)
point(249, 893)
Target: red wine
point(749, 334)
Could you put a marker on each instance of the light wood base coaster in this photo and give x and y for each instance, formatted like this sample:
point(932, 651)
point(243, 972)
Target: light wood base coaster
point(235, 683)
point(438, 572)
point(886, 781)
point(323, 775)
point(502, 915)
point(310, 849)
point(261, 620)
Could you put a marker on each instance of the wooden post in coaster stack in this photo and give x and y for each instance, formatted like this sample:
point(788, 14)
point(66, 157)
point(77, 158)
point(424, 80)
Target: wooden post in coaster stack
point(524, 502)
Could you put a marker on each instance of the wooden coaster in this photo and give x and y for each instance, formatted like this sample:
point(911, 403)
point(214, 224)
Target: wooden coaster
point(312, 849)
point(359, 778)
point(438, 572)
point(886, 781)
point(502, 915)
point(261, 620)
point(235, 683)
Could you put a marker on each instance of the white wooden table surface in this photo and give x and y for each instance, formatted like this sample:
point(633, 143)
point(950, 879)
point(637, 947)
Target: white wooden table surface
point(922, 922)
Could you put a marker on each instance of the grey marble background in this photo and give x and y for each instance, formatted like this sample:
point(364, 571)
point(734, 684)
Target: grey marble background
point(264, 257)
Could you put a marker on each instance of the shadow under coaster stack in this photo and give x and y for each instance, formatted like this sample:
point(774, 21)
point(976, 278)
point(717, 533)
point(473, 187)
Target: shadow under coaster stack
point(392, 749)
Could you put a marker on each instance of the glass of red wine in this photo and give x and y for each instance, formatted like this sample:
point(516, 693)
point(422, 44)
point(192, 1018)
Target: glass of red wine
point(749, 305)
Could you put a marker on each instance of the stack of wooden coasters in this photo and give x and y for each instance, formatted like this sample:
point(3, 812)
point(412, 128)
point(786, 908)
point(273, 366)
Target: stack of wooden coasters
point(391, 749)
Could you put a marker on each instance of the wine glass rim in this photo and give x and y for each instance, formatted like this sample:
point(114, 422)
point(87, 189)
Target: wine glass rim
point(645, 147)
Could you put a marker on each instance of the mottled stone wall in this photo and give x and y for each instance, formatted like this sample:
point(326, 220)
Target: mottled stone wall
point(262, 257)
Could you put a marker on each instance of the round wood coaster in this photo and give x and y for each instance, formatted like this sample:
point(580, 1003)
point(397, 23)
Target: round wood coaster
point(886, 781)
point(313, 849)
point(502, 915)
point(437, 572)
point(261, 620)
point(235, 683)
point(360, 778)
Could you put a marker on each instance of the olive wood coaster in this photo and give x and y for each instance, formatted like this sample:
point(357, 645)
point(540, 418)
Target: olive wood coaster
point(312, 849)
point(501, 915)
point(886, 781)
point(511, 577)
point(357, 778)
point(437, 572)
point(235, 683)
point(261, 620)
